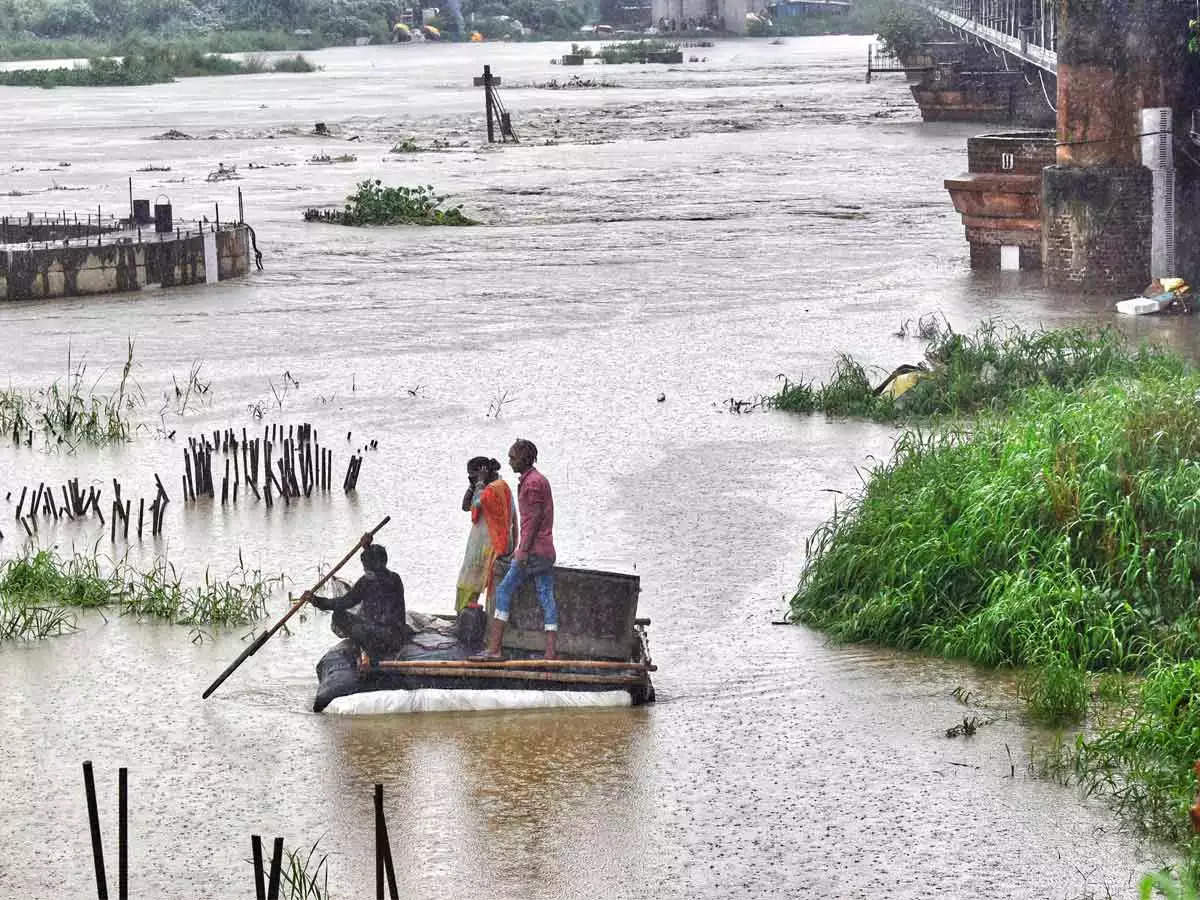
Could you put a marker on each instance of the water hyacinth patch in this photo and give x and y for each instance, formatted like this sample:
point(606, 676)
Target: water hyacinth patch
point(374, 204)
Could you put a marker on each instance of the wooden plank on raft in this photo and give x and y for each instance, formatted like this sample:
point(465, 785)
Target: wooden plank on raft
point(524, 664)
point(481, 672)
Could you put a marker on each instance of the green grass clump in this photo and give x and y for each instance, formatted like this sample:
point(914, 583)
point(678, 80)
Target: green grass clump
point(374, 204)
point(43, 578)
point(303, 875)
point(985, 371)
point(1058, 692)
point(158, 592)
point(70, 413)
point(40, 590)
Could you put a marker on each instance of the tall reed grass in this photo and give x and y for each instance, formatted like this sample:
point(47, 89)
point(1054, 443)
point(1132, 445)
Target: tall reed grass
point(1068, 529)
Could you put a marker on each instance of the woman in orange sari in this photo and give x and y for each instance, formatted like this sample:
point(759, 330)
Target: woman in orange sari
point(493, 532)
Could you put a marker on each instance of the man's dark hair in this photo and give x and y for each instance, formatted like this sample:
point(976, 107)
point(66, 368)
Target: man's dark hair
point(526, 448)
point(477, 462)
point(374, 558)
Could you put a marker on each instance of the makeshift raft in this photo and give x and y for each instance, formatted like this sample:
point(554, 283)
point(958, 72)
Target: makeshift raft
point(604, 658)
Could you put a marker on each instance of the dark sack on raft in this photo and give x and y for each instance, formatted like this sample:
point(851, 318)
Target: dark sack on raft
point(471, 627)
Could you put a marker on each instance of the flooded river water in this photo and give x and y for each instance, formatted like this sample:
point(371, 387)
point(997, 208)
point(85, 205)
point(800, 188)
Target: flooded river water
point(689, 232)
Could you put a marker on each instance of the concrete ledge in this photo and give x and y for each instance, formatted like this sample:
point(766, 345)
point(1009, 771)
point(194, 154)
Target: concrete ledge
point(66, 269)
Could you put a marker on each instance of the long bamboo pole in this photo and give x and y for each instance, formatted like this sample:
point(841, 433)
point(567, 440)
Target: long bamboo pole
point(267, 635)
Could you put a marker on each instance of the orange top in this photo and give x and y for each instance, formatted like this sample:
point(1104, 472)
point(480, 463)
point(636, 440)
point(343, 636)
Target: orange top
point(496, 507)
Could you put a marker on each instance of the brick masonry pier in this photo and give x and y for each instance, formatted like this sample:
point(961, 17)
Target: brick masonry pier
point(1000, 198)
point(1114, 60)
point(965, 83)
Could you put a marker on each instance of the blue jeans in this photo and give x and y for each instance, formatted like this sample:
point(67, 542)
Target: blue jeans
point(516, 576)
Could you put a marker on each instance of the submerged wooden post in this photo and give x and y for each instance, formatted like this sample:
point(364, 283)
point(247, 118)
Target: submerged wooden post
point(383, 850)
point(123, 824)
point(260, 887)
point(89, 788)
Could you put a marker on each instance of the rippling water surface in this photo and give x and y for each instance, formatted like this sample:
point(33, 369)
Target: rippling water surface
point(691, 232)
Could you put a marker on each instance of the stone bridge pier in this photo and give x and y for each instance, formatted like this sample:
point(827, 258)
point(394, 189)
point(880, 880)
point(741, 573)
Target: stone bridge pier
point(1116, 58)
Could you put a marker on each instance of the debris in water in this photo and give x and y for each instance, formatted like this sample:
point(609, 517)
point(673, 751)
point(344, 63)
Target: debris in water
point(324, 159)
point(173, 135)
point(223, 173)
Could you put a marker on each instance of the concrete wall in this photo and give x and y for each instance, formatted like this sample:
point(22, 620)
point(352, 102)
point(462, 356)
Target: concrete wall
point(55, 270)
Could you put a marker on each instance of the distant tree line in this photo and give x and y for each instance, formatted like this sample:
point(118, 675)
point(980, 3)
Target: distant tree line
point(330, 20)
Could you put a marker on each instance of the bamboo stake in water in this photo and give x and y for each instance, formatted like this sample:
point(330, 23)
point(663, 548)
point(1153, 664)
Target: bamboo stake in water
point(89, 788)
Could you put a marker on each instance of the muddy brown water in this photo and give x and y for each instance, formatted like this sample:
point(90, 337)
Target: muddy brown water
point(690, 231)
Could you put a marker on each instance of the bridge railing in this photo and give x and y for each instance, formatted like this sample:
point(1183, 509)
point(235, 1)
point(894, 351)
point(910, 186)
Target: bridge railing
point(1027, 29)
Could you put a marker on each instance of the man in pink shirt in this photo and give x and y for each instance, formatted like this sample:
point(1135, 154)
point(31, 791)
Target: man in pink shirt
point(534, 556)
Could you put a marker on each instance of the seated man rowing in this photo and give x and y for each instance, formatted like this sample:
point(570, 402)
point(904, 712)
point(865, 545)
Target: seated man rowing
point(379, 629)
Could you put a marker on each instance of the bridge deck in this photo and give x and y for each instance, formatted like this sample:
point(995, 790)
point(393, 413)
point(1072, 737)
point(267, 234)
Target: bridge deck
point(996, 22)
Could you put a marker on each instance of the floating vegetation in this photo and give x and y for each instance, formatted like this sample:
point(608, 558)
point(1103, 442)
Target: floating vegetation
point(410, 145)
point(651, 51)
point(374, 204)
point(297, 63)
point(40, 590)
point(223, 173)
point(574, 83)
point(70, 413)
point(985, 371)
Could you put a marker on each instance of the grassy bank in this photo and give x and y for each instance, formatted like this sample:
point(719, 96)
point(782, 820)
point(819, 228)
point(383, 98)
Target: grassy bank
point(151, 66)
point(1057, 530)
point(218, 41)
